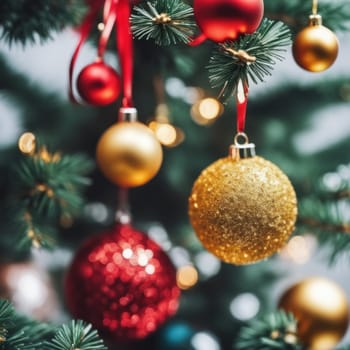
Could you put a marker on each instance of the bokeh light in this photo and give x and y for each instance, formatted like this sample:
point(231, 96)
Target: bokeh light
point(245, 306)
point(205, 341)
point(205, 111)
point(299, 249)
point(186, 277)
point(207, 264)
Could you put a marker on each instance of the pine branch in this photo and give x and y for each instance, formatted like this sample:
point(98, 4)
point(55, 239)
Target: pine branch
point(326, 212)
point(19, 333)
point(26, 21)
point(295, 13)
point(49, 191)
point(252, 57)
point(274, 331)
point(76, 335)
point(165, 21)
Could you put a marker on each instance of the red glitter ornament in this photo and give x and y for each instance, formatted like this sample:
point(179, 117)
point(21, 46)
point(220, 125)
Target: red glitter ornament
point(222, 20)
point(123, 283)
point(98, 84)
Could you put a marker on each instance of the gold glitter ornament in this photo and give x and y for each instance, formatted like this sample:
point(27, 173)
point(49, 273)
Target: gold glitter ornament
point(242, 210)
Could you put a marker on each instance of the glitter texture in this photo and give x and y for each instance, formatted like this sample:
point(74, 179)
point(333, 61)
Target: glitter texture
point(123, 283)
point(243, 211)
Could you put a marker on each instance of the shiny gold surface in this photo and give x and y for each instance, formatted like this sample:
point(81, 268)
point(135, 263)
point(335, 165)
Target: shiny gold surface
point(129, 154)
point(315, 48)
point(243, 211)
point(322, 310)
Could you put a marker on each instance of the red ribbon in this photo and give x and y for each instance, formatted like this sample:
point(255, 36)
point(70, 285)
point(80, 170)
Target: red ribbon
point(109, 18)
point(114, 11)
point(241, 103)
point(84, 29)
point(125, 50)
point(198, 40)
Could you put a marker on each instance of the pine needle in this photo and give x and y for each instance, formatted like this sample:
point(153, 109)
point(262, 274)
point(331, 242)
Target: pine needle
point(229, 63)
point(165, 21)
point(273, 331)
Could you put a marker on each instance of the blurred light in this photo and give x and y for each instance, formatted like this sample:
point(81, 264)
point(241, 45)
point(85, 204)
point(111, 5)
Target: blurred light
point(97, 211)
point(205, 341)
point(175, 335)
point(101, 26)
point(10, 122)
point(167, 134)
point(206, 111)
point(192, 95)
point(186, 277)
point(57, 258)
point(31, 291)
point(29, 288)
point(179, 256)
point(159, 235)
point(208, 265)
point(299, 249)
point(245, 306)
point(174, 87)
point(332, 181)
point(27, 143)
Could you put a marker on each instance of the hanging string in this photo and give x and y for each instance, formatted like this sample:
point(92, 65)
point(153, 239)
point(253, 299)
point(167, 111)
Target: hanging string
point(123, 215)
point(241, 103)
point(314, 7)
point(84, 30)
point(125, 50)
point(109, 18)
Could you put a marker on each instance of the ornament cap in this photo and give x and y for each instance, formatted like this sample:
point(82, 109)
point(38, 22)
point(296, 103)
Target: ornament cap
point(127, 114)
point(242, 150)
point(315, 20)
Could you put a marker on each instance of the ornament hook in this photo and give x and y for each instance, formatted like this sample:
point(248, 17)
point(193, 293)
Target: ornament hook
point(241, 148)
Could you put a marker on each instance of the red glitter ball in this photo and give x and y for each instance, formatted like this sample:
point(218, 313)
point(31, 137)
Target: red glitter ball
point(123, 283)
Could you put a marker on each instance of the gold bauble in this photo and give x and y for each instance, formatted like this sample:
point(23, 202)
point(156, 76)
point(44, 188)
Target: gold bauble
point(315, 48)
point(321, 309)
point(129, 154)
point(243, 211)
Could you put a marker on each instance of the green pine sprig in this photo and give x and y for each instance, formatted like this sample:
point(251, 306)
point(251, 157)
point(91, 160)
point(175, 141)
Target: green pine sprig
point(273, 331)
point(325, 212)
point(165, 21)
point(26, 21)
point(76, 335)
point(251, 57)
point(49, 193)
point(18, 332)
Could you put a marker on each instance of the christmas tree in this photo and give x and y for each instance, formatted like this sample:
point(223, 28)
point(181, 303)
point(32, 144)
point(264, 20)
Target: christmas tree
point(174, 174)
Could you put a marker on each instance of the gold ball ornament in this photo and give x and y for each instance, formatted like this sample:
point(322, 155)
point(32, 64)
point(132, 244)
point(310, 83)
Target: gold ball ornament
point(315, 48)
point(242, 211)
point(321, 309)
point(129, 154)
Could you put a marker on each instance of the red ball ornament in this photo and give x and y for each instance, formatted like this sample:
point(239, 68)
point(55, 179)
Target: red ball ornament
point(122, 283)
point(222, 20)
point(98, 84)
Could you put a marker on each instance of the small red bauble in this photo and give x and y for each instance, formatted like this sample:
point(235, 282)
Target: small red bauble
point(98, 84)
point(222, 20)
point(122, 283)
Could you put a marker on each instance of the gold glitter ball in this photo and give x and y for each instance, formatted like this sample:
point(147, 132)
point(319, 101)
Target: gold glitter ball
point(243, 211)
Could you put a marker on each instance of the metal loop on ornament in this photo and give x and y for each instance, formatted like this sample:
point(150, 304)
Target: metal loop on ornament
point(242, 150)
point(243, 136)
point(127, 114)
